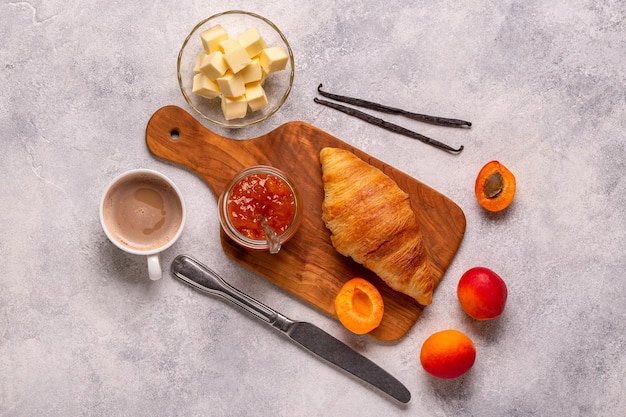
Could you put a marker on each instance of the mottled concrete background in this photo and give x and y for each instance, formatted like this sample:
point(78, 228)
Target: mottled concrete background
point(84, 333)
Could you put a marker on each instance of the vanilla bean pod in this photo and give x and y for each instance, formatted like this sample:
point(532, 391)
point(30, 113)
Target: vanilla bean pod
point(441, 121)
point(388, 126)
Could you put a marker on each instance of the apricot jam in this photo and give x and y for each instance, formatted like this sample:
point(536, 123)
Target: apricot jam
point(257, 193)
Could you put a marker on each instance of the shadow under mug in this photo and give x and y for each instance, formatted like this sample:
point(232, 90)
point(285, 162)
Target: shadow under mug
point(142, 212)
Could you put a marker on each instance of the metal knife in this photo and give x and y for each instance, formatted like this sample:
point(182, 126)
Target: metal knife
point(305, 334)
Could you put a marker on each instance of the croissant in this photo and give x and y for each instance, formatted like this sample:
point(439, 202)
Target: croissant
point(371, 220)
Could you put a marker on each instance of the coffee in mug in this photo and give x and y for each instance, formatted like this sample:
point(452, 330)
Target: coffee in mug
point(142, 212)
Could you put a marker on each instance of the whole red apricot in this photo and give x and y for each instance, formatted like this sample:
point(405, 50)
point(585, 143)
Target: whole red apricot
point(448, 354)
point(482, 293)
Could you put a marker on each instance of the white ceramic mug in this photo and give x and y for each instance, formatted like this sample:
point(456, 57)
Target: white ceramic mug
point(143, 212)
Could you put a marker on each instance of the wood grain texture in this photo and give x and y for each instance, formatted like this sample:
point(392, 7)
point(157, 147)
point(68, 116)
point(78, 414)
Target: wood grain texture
point(308, 265)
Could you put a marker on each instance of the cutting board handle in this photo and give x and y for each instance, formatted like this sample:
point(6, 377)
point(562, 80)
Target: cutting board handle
point(176, 136)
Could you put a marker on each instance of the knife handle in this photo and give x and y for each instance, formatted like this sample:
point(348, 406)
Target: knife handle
point(207, 281)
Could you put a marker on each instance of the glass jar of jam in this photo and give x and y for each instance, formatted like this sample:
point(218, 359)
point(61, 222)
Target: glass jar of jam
point(255, 194)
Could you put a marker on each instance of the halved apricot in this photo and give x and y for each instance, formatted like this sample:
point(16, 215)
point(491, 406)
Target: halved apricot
point(495, 186)
point(359, 306)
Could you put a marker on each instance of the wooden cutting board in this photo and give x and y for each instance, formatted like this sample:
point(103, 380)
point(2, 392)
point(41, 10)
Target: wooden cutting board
point(308, 265)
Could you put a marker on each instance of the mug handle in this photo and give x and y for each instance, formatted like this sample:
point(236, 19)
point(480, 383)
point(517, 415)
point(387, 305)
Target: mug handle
point(154, 267)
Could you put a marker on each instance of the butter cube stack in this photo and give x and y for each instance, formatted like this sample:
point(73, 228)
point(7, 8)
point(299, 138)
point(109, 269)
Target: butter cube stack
point(234, 69)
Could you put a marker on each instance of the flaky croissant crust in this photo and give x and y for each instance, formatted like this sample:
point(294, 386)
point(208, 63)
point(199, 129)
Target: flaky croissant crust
point(371, 220)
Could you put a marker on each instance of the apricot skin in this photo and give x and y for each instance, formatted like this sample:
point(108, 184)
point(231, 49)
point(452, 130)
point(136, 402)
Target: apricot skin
point(482, 293)
point(448, 354)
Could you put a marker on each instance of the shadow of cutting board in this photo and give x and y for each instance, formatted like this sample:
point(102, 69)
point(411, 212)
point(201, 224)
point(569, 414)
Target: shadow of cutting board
point(308, 265)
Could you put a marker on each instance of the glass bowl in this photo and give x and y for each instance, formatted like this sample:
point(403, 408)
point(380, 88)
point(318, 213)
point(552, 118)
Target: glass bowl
point(277, 85)
point(227, 222)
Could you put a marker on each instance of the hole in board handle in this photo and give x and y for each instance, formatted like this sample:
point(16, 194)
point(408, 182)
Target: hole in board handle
point(174, 134)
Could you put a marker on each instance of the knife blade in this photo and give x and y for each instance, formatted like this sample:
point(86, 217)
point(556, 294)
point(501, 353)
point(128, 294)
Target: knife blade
point(307, 335)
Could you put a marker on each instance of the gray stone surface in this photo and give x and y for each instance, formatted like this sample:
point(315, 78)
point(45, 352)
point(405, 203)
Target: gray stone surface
point(83, 332)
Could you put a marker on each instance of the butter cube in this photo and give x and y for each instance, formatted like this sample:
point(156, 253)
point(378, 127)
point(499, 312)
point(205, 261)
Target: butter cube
point(228, 44)
point(198, 64)
point(234, 107)
point(252, 72)
point(235, 55)
point(273, 59)
point(252, 42)
point(231, 85)
point(214, 65)
point(205, 87)
point(255, 95)
point(212, 37)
